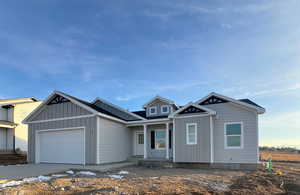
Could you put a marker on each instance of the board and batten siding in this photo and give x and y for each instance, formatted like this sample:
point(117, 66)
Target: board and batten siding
point(199, 152)
point(227, 112)
point(115, 141)
point(90, 124)
point(53, 111)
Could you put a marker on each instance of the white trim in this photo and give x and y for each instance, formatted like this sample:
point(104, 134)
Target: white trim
point(258, 109)
point(149, 110)
point(162, 108)
point(191, 116)
point(257, 131)
point(242, 136)
point(173, 134)
point(187, 133)
point(150, 122)
point(211, 139)
point(98, 140)
point(156, 130)
point(167, 141)
point(64, 118)
point(161, 99)
point(208, 111)
point(37, 142)
point(117, 107)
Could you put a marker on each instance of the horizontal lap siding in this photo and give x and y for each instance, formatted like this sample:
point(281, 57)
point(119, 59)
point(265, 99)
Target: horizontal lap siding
point(90, 135)
point(67, 109)
point(228, 112)
point(192, 153)
point(115, 141)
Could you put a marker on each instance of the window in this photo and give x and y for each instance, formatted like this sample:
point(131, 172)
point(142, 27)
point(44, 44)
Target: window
point(140, 138)
point(152, 110)
point(165, 109)
point(234, 135)
point(160, 139)
point(191, 133)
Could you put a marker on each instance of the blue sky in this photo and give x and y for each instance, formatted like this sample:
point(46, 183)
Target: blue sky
point(129, 51)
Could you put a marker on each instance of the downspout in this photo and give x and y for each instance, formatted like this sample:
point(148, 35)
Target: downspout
point(211, 139)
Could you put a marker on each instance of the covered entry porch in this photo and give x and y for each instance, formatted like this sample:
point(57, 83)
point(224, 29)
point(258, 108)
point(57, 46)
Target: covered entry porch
point(7, 140)
point(153, 140)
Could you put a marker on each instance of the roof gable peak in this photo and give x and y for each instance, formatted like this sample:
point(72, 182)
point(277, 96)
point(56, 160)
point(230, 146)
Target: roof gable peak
point(157, 97)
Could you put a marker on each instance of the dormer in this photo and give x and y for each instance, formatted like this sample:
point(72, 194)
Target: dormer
point(159, 106)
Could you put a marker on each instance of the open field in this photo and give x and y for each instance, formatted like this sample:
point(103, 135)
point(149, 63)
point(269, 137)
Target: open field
point(140, 180)
point(280, 156)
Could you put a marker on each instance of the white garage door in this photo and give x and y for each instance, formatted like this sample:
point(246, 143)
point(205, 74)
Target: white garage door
point(61, 146)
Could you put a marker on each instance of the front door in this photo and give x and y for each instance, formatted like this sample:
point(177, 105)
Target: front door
point(139, 143)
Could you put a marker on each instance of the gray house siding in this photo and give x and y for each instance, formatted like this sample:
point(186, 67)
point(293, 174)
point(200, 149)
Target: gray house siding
point(6, 139)
point(227, 112)
point(158, 105)
point(199, 152)
point(67, 109)
point(89, 123)
point(115, 141)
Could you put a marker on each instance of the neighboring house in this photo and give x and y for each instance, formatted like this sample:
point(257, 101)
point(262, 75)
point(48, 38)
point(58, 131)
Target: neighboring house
point(13, 134)
point(215, 129)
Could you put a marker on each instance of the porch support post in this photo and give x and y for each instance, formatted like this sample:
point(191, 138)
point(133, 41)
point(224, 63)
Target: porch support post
point(167, 141)
point(145, 141)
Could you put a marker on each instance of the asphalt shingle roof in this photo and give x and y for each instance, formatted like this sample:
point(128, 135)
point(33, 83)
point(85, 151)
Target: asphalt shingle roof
point(250, 102)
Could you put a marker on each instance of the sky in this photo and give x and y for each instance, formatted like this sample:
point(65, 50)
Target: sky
point(129, 51)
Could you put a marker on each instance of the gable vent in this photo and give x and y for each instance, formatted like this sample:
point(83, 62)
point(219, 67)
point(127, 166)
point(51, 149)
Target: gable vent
point(58, 100)
point(191, 109)
point(213, 100)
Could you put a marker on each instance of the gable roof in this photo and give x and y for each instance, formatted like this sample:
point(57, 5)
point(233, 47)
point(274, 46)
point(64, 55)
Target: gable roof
point(161, 99)
point(207, 110)
point(243, 102)
point(94, 109)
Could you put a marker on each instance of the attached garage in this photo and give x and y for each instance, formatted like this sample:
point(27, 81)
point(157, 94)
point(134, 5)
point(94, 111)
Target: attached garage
point(67, 130)
point(61, 146)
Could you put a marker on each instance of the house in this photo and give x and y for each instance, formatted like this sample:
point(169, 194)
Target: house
point(13, 134)
point(215, 130)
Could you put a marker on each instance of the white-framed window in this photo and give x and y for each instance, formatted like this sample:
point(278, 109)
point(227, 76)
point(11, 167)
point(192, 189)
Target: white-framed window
point(165, 109)
point(191, 133)
point(160, 139)
point(233, 132)
point(152, 110)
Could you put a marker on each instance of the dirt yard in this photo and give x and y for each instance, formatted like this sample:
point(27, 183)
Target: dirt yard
point(139, 180)
point(280, 156)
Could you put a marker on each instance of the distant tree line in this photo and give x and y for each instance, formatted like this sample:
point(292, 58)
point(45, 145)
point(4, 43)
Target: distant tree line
point(279, 149)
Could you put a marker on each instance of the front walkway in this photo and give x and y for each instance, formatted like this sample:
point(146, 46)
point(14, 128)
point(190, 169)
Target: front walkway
point(33, 170)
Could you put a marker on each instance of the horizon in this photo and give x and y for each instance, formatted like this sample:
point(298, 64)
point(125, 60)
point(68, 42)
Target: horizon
point(126, 53)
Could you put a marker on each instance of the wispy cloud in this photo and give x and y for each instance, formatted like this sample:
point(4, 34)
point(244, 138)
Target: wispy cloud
point(152, 89)
point(270, 91)
point(174, 9)
point(66, 53)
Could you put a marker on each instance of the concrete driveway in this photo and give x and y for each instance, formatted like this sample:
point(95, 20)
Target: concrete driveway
point(32, 170)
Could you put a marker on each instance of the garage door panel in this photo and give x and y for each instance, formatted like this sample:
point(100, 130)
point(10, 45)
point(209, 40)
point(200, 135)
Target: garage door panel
point(62, 146)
